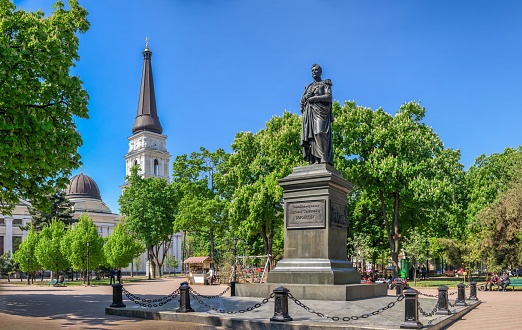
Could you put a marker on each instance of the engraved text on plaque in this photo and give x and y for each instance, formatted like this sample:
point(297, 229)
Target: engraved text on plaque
point(306, 214)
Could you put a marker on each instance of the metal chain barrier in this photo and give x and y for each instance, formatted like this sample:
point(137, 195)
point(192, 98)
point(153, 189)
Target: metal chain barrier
point(194, 292)
point(150, 302)
point(427, 295)
point(427, 314)
point(346, 318)
point(249, 309)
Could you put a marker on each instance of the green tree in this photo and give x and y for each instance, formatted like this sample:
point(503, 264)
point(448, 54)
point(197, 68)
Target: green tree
point(40, 98)
point(489, 176)
point(201, 203)
point(398, 161)
point(121, 248)
point(501, 222)
point(7, 265)
point(488, 181)
point(252, 173)
point(171, 262)
point(61, 209)
point(148, 205)
point(48, 250)
point(25, 255)
point(74, 245)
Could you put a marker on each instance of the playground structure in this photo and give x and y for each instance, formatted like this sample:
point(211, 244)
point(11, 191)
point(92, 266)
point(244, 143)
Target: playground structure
point(249, 273)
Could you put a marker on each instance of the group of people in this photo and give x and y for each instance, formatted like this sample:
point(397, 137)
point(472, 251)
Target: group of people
point(501, 281)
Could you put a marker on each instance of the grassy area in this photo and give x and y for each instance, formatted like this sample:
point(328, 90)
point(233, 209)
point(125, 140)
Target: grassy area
point(451, 282)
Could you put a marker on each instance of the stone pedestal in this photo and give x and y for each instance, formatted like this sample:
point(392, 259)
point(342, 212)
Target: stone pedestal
point(315, 198)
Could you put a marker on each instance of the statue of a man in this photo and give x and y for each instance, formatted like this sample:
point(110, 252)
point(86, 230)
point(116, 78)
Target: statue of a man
point(316, 107)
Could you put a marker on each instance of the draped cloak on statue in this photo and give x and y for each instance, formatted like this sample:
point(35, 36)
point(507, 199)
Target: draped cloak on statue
point(317, 118)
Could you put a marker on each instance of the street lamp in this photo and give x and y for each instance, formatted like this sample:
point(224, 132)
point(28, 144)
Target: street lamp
point(28, 265)
point(88, 256)
point(427, 259)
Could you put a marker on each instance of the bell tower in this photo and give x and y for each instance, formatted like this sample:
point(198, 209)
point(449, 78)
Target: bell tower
point(147, 144)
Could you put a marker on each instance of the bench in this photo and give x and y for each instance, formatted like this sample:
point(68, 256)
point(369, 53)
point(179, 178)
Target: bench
point(64, 283)
point(515, 282)
point(53, 283)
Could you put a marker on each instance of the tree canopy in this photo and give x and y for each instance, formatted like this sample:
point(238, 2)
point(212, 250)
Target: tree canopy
point(253, 170)
point(60, 209)
point(40, 100)
point(399, 162)
point(48, 249)
point(120, 247)
point(149, 208)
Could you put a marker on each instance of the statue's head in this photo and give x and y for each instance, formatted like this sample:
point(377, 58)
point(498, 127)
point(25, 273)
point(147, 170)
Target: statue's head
point(317, 71)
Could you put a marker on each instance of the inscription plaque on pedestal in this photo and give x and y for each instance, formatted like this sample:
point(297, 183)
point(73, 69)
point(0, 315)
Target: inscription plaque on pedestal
point(306, 214)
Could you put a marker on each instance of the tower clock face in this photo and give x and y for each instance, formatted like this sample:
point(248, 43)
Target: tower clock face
point(155, 144)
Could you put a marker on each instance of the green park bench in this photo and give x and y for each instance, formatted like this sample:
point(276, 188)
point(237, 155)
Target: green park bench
point(53, 283)
point(515, 282)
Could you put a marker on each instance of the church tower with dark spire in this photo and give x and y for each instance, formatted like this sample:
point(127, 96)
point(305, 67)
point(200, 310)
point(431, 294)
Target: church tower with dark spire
point(147, 144)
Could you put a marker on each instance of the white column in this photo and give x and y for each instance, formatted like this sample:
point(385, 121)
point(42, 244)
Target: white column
point(8, 235)
point(162, 170)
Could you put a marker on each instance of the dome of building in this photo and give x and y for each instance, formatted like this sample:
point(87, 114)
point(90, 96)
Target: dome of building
point(82, 185)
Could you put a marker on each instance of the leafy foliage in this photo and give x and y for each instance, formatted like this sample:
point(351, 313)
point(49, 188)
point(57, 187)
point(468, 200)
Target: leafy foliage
point(121, 248)
point(61, 210)
point(195, 180)
point(25, 256)
point(74, 245)
point(252, 174)
point(7, 265)
point(399, 162)
point(39, 141)
point(149, 208)
point(501, 223)
point(48, 249)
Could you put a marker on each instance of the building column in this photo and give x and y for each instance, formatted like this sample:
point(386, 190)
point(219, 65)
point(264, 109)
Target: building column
point(8, 235)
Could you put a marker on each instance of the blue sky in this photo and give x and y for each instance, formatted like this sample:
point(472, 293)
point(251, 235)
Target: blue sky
point(221, 67)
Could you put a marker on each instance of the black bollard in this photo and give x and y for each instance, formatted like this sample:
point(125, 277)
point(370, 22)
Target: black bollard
point(184, 298)
point(233, 288)
point(461, 293)
point(473, 291)
point(442, 301)
point(281, 305)
point(117, 297)
point(398, 289)
point(411, 310)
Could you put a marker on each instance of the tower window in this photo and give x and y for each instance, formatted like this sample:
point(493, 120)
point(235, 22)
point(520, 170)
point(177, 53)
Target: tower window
point(156, 167)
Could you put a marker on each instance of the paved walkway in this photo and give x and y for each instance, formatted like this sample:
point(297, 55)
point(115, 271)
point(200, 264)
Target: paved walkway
point(80, 307)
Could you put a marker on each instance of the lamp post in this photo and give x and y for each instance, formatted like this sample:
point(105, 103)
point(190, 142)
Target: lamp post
point(243, 245)
point(88, 257)
point(427, 259)
point(28, 266)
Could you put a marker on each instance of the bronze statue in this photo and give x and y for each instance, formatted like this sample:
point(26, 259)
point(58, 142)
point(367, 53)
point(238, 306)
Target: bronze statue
point(316, 107)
